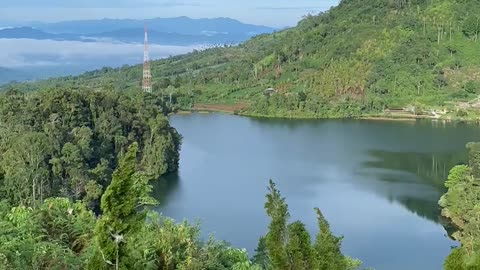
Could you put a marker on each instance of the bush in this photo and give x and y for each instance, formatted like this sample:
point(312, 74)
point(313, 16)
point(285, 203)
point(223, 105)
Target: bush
point(462, 113)
point(471, 87)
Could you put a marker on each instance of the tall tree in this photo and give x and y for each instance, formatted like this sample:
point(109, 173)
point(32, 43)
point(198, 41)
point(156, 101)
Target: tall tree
point(288, 247)
point(327, 247)
point(277, 237)
point(25, 166)
point(122, 211)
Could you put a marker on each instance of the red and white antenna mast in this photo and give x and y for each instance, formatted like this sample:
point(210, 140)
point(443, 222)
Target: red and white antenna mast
point(147, 73)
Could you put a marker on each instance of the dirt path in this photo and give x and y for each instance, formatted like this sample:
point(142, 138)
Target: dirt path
point(229, 108)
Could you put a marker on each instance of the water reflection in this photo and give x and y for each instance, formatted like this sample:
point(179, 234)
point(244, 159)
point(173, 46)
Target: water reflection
point(165, 187)
point(424, 173)
point(431, 168)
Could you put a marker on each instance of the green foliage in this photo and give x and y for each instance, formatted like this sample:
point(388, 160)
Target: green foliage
point(299, 246)
point(461, 205)
point(471, 87)
point(327, 247)
point(128, 192)
point(457, 174)
point(471, 26)
point(60, 234)
point(57, 235)
point(25, 168)
point(474, 158)
point(277, 235)
point(289, 246)
point(456, 261)
point(66, 142)
point(261, 257)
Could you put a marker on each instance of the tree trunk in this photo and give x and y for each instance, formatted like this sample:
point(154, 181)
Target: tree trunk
point(438, 34)
point(116, 260)
point(424, 26)
point(33, 192)
point(41, 191)
point(450, 31)
point(476, 31)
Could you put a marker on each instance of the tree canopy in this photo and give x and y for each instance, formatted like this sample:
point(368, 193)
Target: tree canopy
point(67, 142)
point(461, 205)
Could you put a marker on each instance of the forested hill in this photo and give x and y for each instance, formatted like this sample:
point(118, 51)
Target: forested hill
point(360, 57)
point(67, 143)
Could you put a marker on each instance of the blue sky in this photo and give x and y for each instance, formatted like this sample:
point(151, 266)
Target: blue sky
point(267, 12)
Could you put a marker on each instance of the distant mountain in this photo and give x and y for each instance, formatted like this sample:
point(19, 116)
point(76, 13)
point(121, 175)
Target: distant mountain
point(135, 35)
point(31, 33)
point(179, 25)
point(124, 35)
point(171, 31)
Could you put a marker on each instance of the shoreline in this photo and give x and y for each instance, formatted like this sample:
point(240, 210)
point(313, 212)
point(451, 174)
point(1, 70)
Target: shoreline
point(206, 109)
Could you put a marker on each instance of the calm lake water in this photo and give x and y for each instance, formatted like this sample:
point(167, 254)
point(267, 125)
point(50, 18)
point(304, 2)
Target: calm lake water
point(376, 182)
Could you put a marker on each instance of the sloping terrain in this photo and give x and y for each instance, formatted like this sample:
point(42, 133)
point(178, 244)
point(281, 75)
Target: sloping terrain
point(358, 58)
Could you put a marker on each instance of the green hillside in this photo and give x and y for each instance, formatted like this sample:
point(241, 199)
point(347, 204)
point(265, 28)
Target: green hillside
point(358, 58)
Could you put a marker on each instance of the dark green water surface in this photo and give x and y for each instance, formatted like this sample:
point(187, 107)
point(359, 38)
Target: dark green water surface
point(377, 182)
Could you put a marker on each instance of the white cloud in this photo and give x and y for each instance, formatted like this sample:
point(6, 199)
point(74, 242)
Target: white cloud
point(28, 52)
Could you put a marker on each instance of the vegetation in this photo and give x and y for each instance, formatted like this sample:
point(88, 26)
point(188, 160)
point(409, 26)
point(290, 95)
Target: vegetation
point(288, 246)
point(461, 204)
point(61, 234)
point(64, 207)
point(66, 143)
point(358, 58)
point(58, 152)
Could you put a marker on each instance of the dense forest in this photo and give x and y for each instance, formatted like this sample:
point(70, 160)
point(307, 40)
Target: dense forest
point(67, 143)
point(77, 154)
point(359, 58)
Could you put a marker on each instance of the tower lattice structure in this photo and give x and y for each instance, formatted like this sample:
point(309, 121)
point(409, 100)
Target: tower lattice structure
point(147, 73)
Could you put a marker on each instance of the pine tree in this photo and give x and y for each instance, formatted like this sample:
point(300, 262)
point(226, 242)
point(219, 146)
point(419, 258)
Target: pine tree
point(276, 237)
point(327, 247)
point(299, 247)
point(121, 206)
point(288, 247)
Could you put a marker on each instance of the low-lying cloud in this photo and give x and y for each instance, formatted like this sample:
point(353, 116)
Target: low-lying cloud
point(18, 53)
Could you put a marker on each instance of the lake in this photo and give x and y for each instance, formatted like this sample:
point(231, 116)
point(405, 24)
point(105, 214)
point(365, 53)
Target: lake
point(377, 182)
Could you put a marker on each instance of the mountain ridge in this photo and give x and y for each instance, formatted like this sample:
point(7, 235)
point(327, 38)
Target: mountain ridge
point(181, 25)
point(165, 31)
